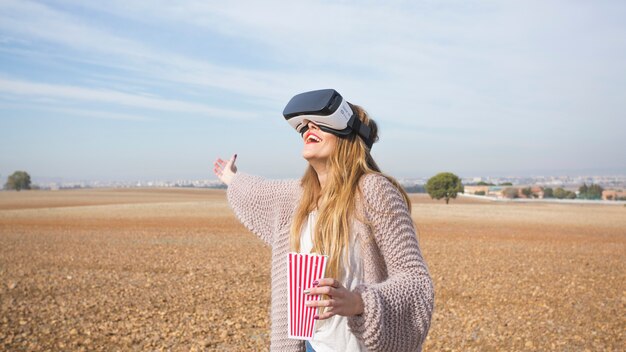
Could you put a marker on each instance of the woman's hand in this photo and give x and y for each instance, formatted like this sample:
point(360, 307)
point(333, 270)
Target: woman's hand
point(340, 300)
point(225, 171)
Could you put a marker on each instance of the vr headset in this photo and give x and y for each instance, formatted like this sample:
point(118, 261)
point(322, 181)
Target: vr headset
point(327, 109)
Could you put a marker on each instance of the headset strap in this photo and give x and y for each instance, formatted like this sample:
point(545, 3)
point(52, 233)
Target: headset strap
point(361, 129)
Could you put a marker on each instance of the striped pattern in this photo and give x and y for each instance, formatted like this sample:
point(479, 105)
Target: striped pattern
point(303, 270)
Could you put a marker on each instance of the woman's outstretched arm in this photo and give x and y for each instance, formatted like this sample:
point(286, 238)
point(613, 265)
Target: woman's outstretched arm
point(259, 204)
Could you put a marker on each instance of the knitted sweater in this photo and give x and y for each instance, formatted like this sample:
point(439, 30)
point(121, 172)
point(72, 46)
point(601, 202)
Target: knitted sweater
point(398, 292)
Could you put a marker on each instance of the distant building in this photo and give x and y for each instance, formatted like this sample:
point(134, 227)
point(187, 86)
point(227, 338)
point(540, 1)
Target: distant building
point(535, 191)
point(491, 191)
point(499, 191)
point(613, 195)
point(474, 189)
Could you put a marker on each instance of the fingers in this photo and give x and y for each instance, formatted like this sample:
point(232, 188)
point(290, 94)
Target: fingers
point(326, 286)
point(218, 167)
point(321, 303)
point(225, 170)
point(329, 304)
point(326, 290)
point(329, 282)
point(232, 160)
point(324, 315)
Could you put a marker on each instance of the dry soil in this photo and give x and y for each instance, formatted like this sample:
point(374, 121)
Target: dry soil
point(163, 269)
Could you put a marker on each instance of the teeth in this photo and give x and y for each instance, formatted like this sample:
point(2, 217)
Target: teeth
point(313, 138)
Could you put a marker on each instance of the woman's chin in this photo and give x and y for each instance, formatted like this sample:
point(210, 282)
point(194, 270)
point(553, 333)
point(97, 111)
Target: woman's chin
point(307, 153)
point(310, 156)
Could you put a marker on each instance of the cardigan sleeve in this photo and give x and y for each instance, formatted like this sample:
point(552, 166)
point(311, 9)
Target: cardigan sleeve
point(397, 311)
point(259, 203)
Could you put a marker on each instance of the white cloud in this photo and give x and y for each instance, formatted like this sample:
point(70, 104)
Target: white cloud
point(93, 45)
point(70, 93)
point(457, 62)
point(47, 106)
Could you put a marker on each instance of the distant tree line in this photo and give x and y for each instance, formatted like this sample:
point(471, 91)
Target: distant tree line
point(483, 183)
point(415, 189)
point(590, 192)
point(559, 193)
point(447, 185)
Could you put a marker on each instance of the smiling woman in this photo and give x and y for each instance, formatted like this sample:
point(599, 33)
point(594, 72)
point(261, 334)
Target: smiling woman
point(318, 145)
point(377, 294)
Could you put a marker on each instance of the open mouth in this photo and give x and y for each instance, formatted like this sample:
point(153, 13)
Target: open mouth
point(311, 138)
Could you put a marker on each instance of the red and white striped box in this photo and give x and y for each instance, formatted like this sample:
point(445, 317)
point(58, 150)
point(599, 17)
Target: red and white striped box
point(303, 270)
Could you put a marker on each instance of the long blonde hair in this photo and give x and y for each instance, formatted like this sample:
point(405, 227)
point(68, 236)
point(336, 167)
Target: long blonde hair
point(350, 160)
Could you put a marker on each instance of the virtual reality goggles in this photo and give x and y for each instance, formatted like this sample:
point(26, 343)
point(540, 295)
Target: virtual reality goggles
point(328, 110)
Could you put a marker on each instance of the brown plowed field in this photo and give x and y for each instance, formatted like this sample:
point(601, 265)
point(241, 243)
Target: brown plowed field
point(149, 269)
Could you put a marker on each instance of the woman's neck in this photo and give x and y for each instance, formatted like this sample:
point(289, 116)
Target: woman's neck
point(322, 171)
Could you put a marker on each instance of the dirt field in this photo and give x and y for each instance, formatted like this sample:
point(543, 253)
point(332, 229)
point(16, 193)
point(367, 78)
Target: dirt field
point(147, 269)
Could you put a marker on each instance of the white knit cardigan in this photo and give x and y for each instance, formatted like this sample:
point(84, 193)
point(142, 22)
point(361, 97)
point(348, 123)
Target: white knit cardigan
point(398, 293)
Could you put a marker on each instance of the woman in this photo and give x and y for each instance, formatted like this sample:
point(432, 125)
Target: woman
point(377, 293)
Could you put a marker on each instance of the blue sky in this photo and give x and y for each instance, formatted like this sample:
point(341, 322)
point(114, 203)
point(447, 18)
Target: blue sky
point(126, 90)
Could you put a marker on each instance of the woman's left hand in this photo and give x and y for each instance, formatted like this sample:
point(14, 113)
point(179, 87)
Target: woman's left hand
point(340, 300)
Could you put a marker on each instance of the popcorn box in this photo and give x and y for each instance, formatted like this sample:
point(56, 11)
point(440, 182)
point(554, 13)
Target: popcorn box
point(303, 270)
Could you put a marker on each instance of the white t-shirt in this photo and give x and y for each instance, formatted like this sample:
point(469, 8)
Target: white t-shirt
point(333, 334)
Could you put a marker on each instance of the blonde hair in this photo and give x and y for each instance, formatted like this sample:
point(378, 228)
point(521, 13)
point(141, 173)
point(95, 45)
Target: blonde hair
point(350, 160)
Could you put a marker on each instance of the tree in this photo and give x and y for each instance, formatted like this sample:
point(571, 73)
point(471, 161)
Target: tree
point(582, 191)
point(548, 192)
point(506, 184)
point(510, 192)
point(595, 192)
point(592, 191)
point(528, 192)
point(444, 185)
point(561, 193)
point(18, 180)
